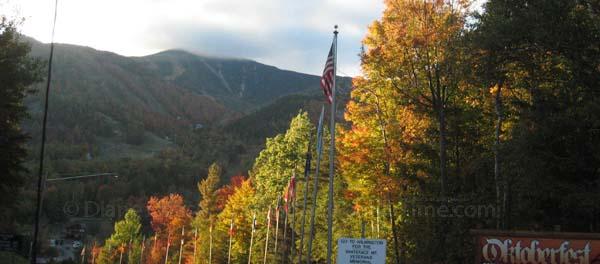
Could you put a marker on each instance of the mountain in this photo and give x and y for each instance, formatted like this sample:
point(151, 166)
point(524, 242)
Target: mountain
point(106, 105)
point(243, 85)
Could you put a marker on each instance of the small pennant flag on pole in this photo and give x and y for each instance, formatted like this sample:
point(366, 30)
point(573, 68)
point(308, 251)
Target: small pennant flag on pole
point(290, 192)
point(269, 217)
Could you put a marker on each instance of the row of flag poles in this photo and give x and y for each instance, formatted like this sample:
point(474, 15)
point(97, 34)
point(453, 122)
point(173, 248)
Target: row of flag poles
point(328, 85)
point(328, 80)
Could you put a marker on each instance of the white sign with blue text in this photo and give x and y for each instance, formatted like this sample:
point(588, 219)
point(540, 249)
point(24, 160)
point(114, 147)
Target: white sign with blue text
point(361, 251)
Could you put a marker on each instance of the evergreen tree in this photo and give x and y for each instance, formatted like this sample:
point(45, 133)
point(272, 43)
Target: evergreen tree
point(18, 72)
point(206, 218)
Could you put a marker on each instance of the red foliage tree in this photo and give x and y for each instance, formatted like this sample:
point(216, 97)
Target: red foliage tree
point(224, 192)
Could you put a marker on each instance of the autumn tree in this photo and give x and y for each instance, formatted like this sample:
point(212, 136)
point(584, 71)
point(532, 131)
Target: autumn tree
point(407, 112)
point(125, 238)
point(226, 191)
point(168, 216)
point(238, 211)
point(413, 50)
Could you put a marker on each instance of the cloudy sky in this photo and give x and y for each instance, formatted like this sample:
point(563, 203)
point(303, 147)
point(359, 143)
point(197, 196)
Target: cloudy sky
point(289, 34)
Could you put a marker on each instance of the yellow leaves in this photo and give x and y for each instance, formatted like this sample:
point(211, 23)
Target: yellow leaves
point(412, 125)
point(494, 89)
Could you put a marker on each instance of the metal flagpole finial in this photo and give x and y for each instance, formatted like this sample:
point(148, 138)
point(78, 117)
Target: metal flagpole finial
point(335, 29)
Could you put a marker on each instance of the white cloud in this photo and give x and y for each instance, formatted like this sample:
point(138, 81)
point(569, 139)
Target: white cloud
point(288, 34)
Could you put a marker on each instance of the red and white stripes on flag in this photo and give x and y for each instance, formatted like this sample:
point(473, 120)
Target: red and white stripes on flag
point(327, 78)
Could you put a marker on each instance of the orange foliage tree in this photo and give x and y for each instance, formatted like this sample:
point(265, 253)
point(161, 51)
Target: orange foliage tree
point(226, 191)
point(168, 216)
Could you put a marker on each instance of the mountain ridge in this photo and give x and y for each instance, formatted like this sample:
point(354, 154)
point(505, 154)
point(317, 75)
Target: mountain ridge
point(101, 94)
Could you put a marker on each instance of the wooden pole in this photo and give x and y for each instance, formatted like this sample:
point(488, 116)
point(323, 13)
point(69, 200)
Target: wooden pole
point(41, 180)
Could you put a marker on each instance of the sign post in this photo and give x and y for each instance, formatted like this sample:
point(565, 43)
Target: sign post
point(361, 251)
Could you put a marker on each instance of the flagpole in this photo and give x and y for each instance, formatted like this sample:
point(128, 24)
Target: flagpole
point(332, 154)
point(267, 237)
point(83, 255)
point(129, 249)
point(181, 245)
point(230, 237)
point(195, 244)
point(377, 219)
point(277, 213)
point(122, 248)
point(142, 250)
point(168, 245)
point(316, 186)
point(93, 253)
point(293, 221)
point(285, 221)
point(210, 243)
point(306, 173)
point(251, 239)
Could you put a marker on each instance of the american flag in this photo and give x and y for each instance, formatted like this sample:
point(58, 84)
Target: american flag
point(327, 78)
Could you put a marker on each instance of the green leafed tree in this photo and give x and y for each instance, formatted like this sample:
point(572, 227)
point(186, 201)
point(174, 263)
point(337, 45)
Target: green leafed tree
point(205, 220)
point(282, 156)
point(125, 242)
